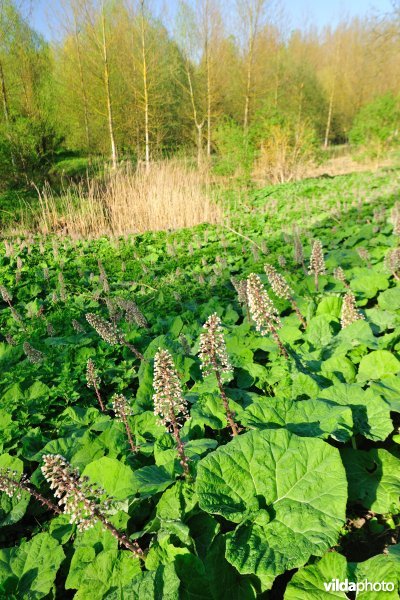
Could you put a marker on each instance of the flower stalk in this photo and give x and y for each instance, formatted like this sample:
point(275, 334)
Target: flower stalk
point(282, 289)
point(93, 381)
point(240, 286)
point(169, 404)
point(80, 499)
point(214, 359)
point(339, 274)
point(350, 314)
point(317, 262)
point(122, 412)
point(110, 333)
point(263, 311)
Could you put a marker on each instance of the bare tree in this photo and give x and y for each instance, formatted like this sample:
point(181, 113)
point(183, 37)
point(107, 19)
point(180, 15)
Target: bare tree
point(251, 14)
point(76, 33)
point(188, 36)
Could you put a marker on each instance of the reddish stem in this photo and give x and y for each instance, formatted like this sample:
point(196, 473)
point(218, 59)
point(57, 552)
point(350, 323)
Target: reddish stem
point(121, 537)
point(133, 349)
point(228, 412)
point(96, 389)
point(180, 446)
point(298, 313)
point(24, 485)
point(132, 444)
point(278, 341)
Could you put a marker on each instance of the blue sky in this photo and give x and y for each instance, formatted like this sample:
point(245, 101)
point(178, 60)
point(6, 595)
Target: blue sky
point(300, 12)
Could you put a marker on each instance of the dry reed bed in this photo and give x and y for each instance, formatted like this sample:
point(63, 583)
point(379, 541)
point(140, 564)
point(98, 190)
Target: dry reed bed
point(166, 196)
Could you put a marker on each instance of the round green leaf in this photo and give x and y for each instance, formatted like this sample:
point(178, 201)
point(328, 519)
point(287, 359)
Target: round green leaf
point(289, 494)
point(117, 479)
point(378, 364)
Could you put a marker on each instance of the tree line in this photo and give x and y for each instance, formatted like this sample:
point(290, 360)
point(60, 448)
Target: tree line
point(122, 84)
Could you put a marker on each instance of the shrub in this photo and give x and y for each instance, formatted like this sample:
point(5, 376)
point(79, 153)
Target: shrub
point(286, 148)
point(236, 150)
point(377, 124)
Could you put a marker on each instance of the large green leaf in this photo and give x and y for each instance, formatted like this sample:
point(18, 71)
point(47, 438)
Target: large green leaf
point(311, 583)
point(29, 571)
point(289, 494)
point(117, 479)
point(384, 567)
point(371, 414)
point(331, 305)
point(373, 479)
point(340, 368)
point(226, 583)
point(94, 574)
point(308, 582)
point(390, 299)
point(310, 418)
point(161, 584)
point(377, 364)
point(369, 284)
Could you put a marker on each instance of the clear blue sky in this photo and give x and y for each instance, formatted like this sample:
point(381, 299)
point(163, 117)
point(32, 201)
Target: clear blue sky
point(300, 12)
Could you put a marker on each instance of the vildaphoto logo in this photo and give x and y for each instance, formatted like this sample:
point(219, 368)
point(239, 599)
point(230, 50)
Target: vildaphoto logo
point(360, 586)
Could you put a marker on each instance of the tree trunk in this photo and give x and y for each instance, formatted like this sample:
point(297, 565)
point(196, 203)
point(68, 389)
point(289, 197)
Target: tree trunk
point(199, 143)
point(145, 89)
point(114, 156)
point(208, 102)
point(198, 124)
point(6, 111)
point(83, 88)
point(248, 90)
point(329, 119)
point(4, 95)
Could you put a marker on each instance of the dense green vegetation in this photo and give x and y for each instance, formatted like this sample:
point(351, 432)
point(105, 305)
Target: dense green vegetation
point(306, 492)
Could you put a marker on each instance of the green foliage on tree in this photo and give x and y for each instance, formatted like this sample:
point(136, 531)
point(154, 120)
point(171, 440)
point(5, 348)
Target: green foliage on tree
point(377, 124)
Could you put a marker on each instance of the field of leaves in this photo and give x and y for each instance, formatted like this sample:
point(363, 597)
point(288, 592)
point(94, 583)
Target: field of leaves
point(272, 464)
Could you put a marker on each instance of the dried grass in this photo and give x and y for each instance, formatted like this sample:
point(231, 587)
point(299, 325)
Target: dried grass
point(169, 195)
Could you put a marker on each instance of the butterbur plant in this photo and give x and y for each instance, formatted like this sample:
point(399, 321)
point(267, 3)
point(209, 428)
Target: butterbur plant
point(93, 381)
point(282, 289)
point(298, 252)
point(7, 298)
point(103, 278)
point(61, 287)
point(392, 262)
point(82, 501)
point(110, 333)
point(169, 404)
point(340, 275)
point(132, 312)
point(395, 218)
point(122, 411)
point(263, 311)
point(364, 255)
point(349, 313)
point(5, 294)
point(282, 261)
point(240, 286)
point(214, 360)
point(77, 326)
point(106, 330)
point(34, 356)
point(317, 262)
